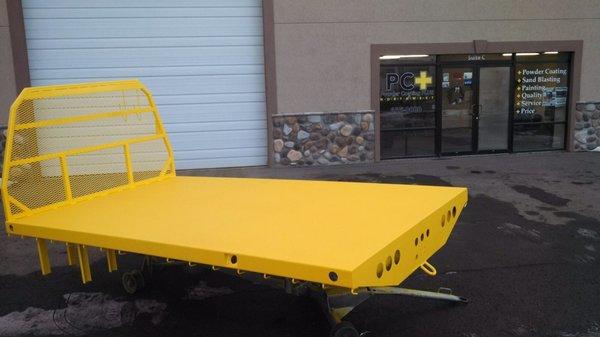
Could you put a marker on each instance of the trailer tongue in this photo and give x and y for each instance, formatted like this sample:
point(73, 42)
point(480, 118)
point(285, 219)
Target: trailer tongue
point(90, 165)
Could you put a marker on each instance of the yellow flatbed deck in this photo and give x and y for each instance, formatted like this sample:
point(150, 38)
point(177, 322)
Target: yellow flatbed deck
point(267, 224)
point(91, 165)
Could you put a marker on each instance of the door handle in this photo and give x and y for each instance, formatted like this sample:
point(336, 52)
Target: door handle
point(475, 112)
point(472, 109)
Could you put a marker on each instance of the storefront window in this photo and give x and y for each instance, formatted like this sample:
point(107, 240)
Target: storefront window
point(545, 136)
point(541, 102)
point(476, 111)
point(407, 104)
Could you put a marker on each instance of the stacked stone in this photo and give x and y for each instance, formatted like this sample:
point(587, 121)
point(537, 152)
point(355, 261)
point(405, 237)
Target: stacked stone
point(323, 139)
point(587, 127)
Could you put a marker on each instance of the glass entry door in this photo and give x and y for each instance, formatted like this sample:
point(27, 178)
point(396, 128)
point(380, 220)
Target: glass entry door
point(458, 102)
point(475, 103)
point(493, 108)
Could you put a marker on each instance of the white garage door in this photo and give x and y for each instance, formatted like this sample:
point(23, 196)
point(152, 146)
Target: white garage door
point(203, 60)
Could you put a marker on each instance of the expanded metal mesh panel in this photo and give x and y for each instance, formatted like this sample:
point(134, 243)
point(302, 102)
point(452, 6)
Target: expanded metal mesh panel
point(146, 161)
point(29, 186)
point(59, 138)
point(97, 171)
point(25, 144)
point(68, 142)
point(42, 109)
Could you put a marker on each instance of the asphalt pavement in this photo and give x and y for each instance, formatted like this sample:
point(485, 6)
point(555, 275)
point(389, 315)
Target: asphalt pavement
point(525, 252)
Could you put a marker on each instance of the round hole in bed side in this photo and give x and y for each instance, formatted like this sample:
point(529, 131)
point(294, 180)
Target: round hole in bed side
point(333, 276)
point(454, 211)
point(233, 259)
point(397, 256)
point(379, 272)
point(388, 263)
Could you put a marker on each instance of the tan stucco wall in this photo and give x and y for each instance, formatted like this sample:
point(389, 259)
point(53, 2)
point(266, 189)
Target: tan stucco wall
point(323, 47)
point(8, 89)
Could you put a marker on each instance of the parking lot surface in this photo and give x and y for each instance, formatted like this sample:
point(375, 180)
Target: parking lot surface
point(525, 252)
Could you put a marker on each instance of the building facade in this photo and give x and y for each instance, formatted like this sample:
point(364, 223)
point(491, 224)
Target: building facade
point(309, 83)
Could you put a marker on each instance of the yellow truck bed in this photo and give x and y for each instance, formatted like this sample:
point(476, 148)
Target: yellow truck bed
point(105, 193)
point(267, 224)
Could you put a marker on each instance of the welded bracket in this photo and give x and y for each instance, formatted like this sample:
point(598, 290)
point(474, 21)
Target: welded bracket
point(428, 268)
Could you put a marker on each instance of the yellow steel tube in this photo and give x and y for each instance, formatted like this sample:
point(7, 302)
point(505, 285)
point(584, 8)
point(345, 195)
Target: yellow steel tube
point(18, 204)
point(82, 118)
point(160, 129)
point(71, 253)
point(127, 151)
point(87, 196)
point(65, 177)
point(84, 263)
point(111, 259)
point(8, 154)
point(81, 89)
point(85, 149)
point(42, 249)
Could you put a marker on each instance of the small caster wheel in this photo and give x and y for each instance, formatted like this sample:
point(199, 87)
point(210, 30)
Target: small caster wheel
point(139, 277)
point(344, 329)
point(130, 283)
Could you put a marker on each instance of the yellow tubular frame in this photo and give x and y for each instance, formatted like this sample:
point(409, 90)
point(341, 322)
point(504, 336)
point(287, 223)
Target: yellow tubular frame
point(79, 89)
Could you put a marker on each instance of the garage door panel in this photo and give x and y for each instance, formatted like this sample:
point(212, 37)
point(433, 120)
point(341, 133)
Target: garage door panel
point(213, 117)
point(139, 27)
point(193, 85)
point(236, 108)
point(247, 97)
point(256, 124)
point(210, 113)
point(147, 42)
point(207, 84)
point(149, 57)
point(221, 158)
point(217, 139)
point(221, 162)
point(139, 3)
point(224, 153)
point(202, 59)
point(147, 12)
point(144, 72)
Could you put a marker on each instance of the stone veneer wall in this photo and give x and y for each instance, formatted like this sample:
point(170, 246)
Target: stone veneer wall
point(587, 127)
point(323, 138)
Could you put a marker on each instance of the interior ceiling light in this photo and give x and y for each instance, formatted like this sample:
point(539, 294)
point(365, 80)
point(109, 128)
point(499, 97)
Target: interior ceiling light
point(527, 54)
point(395, 57)
point(550, 52)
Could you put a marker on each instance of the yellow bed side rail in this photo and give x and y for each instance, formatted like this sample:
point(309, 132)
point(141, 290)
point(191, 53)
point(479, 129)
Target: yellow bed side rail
point(67, 143)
